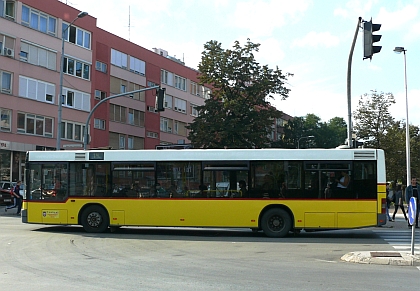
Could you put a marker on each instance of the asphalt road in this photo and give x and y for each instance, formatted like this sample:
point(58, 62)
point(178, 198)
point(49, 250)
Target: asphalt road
point(38, 257)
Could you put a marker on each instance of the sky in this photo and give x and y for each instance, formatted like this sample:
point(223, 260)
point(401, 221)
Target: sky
point(311, 39)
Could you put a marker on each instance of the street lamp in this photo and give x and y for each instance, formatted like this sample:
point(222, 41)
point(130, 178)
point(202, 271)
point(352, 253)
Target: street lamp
point(309, 136)
point(60, 93)
point(400, 49)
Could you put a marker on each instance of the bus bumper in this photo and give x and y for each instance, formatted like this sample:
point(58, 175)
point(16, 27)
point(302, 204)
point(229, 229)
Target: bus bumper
point(24, 213)
point(381, 219)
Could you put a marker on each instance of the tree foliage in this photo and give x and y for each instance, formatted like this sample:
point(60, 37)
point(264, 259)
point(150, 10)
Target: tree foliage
point(325, 134)
point(375, 125)
point(238, 113)
point(372, 118)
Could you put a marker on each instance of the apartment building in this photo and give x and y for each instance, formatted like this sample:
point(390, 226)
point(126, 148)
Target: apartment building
point(97, 64)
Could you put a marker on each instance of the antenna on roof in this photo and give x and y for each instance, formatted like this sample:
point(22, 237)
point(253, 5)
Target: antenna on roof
point(129, 22)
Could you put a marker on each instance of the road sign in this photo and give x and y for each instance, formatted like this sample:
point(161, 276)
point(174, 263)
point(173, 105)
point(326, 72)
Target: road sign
point(412, 210)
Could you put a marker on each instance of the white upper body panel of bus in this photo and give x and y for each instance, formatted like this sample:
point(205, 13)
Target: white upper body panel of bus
point(214, 155)
point(210, 155)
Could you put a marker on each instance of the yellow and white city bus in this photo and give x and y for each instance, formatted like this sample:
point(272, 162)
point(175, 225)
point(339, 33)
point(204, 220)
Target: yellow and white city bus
point(282, 190)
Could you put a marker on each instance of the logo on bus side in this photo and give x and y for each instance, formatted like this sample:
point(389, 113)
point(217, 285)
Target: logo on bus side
point(51, 213)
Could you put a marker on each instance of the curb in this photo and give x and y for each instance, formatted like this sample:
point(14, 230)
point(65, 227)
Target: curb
point(405, 258)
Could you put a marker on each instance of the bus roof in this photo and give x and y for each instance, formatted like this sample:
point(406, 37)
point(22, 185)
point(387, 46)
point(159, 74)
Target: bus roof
point(206, 155)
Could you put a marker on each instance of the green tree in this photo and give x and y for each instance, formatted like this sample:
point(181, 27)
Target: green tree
point(393, 145)
point(331, 134)
point(372, 118)
point(238, 113)
point(326, 134)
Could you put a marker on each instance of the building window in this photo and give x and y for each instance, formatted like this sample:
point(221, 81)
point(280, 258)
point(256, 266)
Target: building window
point(38, 56)
point(101, 67)
point(118, 59)
point(167, 77)
point(194, 111)
point(6, 82)
point(99, 123)
point(76, 35)
point(100, 95)
point(117, 113)
point(34, 124)
point(68, 99)
point(179, 128)
point(76, 68)
point(165, 125)
point(76, 99)
point(135, 117)
point(180, 83)
point(36, 89)
point(180, 105)
point(5, 119)
point(122, 141)
point(72, 131)
point(137, 66)
point(38, 20)
point(7, 9)
point(151, 84)
point(205, 92)
point(168, 101)
point(194, 88)
point(7, 44)
point(130, 142)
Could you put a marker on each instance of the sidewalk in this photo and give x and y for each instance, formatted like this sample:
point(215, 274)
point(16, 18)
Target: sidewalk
point(396, 258)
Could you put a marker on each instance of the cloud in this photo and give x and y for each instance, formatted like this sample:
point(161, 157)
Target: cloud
point(355, 8)
point(270, 14)
point(398, 110)
point(303, 101)
point(270, 51)
point(314, 39)
point(394, 20)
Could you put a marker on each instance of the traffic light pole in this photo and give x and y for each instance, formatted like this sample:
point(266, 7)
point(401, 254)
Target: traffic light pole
point(349, 126)
point(86, 135)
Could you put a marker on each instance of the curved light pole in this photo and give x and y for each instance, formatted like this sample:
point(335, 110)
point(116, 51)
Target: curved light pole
point(309, 136)
point(60, 92)
point(400, 49)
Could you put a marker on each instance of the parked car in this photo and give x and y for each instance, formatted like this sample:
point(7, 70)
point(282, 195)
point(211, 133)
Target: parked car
point(7, 185)
point(5, 188)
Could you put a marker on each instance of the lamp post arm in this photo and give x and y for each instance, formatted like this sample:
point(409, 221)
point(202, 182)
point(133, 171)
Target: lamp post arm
point(85, 139)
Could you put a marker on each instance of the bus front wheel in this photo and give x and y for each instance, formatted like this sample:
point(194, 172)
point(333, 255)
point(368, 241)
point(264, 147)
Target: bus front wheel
point(95, 219)
point(276, 223)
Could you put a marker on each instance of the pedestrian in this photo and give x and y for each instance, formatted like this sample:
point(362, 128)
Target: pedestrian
point(18, 199)
point(398, 202)
point(412, 191)
point(389, 194)
point(242, 189)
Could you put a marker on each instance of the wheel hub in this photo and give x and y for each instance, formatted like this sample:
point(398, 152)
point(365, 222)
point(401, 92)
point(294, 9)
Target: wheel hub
point(94, 219)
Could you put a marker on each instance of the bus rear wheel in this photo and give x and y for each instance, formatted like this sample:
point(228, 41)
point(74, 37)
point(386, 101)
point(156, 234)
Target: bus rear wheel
point(276, 223)
point(95, 219)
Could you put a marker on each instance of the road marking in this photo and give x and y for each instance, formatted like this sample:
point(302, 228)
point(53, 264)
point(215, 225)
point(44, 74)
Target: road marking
point(326, 261)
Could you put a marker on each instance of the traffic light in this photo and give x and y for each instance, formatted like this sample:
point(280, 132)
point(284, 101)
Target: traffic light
point(160, 98)
point(368, 39)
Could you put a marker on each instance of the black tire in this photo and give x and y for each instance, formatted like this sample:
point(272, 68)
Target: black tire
point(95, 219)
point(276, 223)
